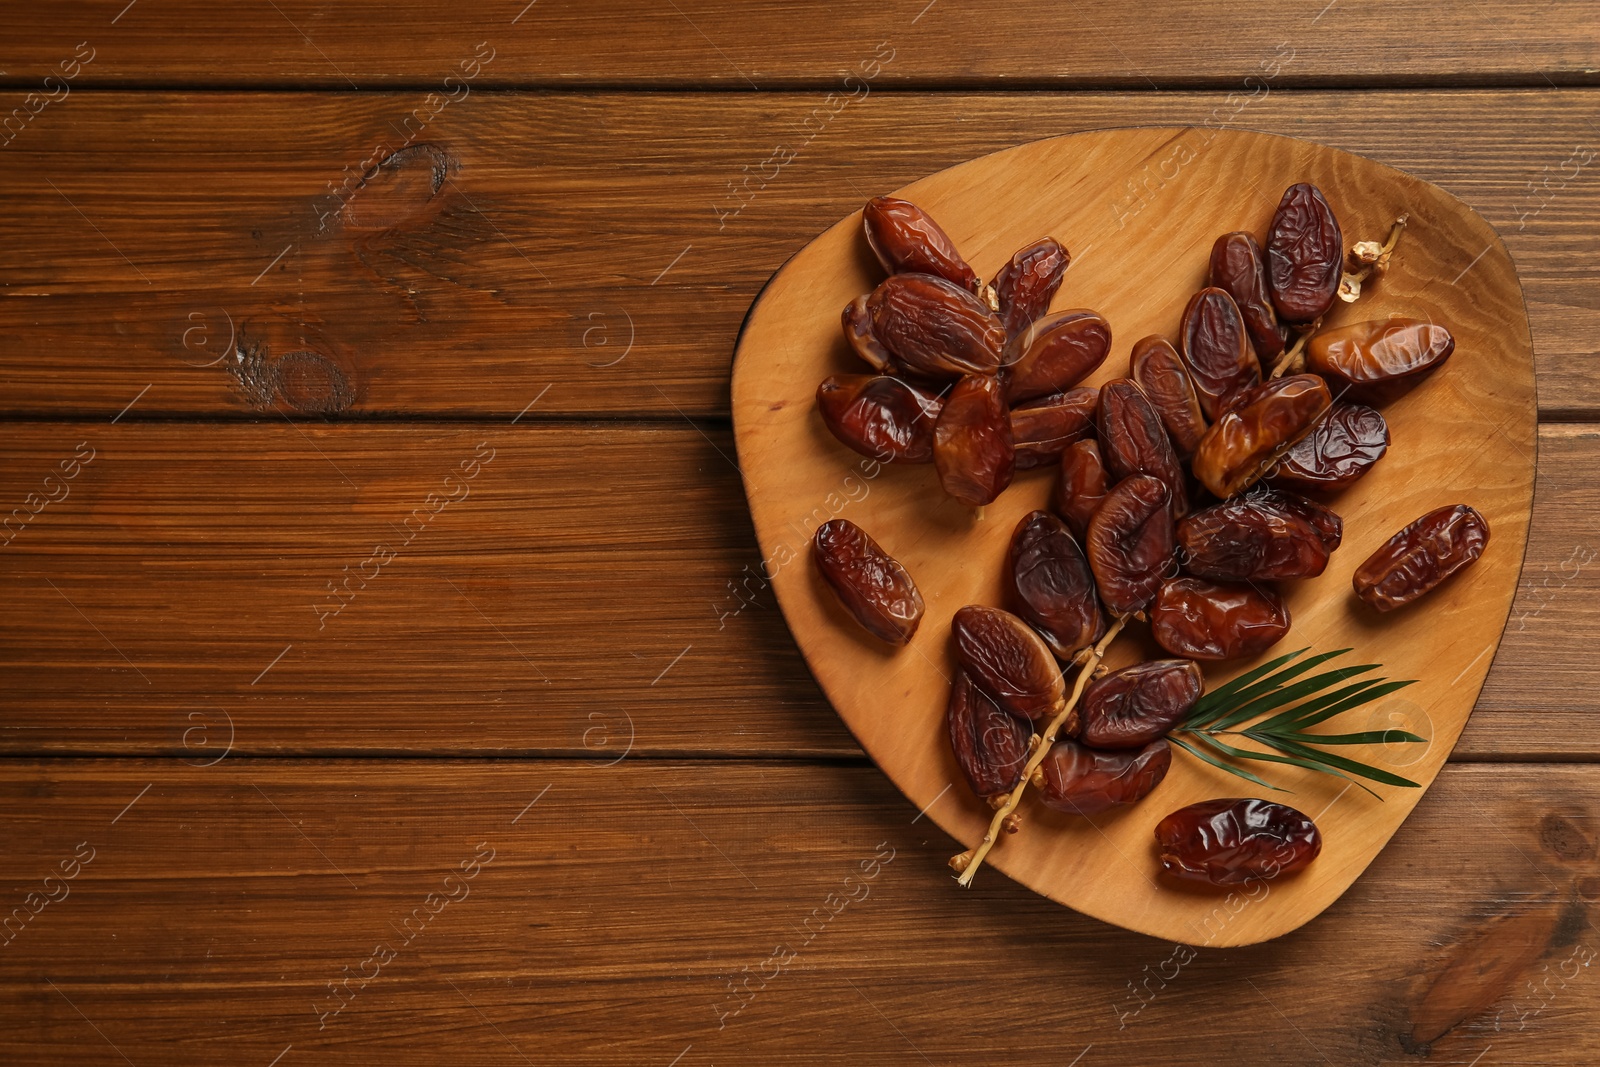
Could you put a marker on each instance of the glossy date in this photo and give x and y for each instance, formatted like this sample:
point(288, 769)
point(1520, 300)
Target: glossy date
point(1081, 487)
point(879, 416)
point(1416, 560)
point(1378, 361)
point(1042, 429)
point(1305, 254)
point(1133, 441)
point(1008, 661)
point(990, 746)
point(870, 583)
point(1232, 841)
point(1250, 538)
point(906, 240)
point(1216, 351)
point(935, 330)
point(1342, 447)
point(1239, 268)
point(1055, 353)
point(1130, 544)
point(1083, 781)
point(1026, 285)
point(1159, 372)
point(1131, 707)
point(972, 444)
point(1245, 442)
point(1052, 585)
point(1199, 619)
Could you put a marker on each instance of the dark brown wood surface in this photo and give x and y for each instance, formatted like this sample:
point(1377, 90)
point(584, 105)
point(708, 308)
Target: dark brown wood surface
point(288, 301)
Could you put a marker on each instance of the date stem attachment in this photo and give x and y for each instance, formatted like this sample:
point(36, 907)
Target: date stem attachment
point(1366, 259)
point(966, 864)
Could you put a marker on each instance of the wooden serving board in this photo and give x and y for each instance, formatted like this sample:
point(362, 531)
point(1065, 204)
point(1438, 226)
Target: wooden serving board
point(1139, 209)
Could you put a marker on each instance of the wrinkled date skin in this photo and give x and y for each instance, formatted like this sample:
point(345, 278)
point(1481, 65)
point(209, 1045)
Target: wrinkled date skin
point(1210, 620)
point(1008, 661)
point(1056, 353)
point(1136, 705)
point(906, 240)
point(935, 330)
point(972, 443)
point(1042, 429)
point(1231, 841)
point(880, 417)
point(1239, 268)
point(1026, 285)
point(1376, 362)
point(863, 342)
point(1305, 254)
point(1325, 521)
point(991, 746)
point(1130, 544)
point(1133, 440)
point(1414, 561)
point(1081, 487)
point(1052, 585)
point(1339, 449)
point(1161, 375)
point(870, 583)
point(1245, 442)
point(1248, 539)
point(1082, 781)
point(1216, 351)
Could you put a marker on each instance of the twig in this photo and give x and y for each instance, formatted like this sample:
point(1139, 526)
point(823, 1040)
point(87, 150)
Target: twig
point(968, 862)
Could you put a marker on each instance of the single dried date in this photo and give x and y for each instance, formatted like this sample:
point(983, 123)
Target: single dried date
point(1042, 429)
point(1305, 254)
point(1134, 706)
point(935, 330)
point(1340, 448)
point(1246, 441)
point(1379, 361)
point(1081, 487)
point(1052, 585)
point(1239, 268)
point(1206, 620)
point(1009, 662)
point(1133, 440)
point(1130, 543)
point(972, 444)
point(1055, 353)
point(1026, 285)
point(863, 342)
point(1233, 841)
point(1248, 539)
point(1160, 373)
point(879, 416)
point(1416, 560)
point(906, 240)
point(1083, 781)
point(1216, 351)
point(870, 583)
point(991, 746)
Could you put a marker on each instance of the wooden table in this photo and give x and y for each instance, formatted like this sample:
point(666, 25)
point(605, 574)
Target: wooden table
point(388, 674)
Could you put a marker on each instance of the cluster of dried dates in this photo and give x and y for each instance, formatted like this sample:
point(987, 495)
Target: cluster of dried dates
point(1179, 503)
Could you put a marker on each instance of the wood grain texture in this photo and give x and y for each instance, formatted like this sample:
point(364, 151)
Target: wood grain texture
point(605, 245)
point(1467, 435)
point(634, 914)
point(229, 535)
point(769, 45)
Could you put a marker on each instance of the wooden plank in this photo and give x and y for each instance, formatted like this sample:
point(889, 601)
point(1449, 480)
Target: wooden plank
point(732, 912)
point(586, 577)
point(771, 45)
point(607, 246)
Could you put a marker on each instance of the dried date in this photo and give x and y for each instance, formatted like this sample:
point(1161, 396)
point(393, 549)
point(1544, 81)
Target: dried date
point(1052, 585)
point(1081, 487)
point(1056, 353)
point(1082, 781)
point(1009, 662)
point(1248, 539)
point(1026, 285)
point(863, 342)
point(1417, 559)
point(1133, 441)
point(1246, 441)
point(1239, 268)
point(1134, 706)
point(972, 444)
point(1216, 351)
point(870, 583)
point(1305, 254)
point(1161, 375)
point(1342, 447)
point(1206, 620)
point(1379, 361)
point(879, 416)
point(991, 746)
point(1130, 543)
point(935, 330)
point(1233, 841)
point(1042, 429)
point(906, 240)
